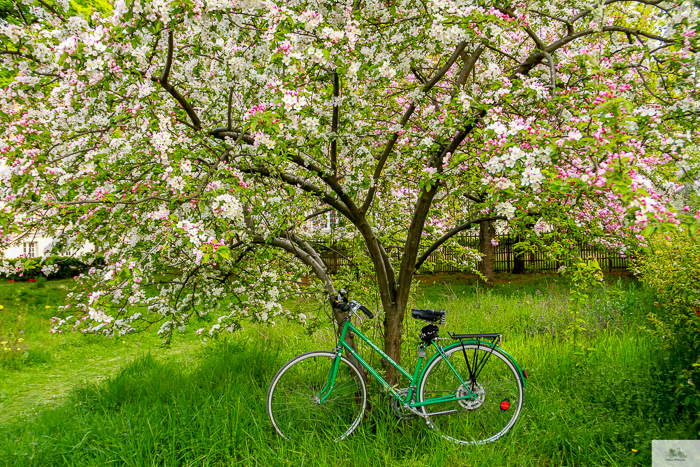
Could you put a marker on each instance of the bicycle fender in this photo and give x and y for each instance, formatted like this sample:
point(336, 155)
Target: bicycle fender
point(481, 343)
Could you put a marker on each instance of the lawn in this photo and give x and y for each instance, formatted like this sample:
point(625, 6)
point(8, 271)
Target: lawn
point(595, 395)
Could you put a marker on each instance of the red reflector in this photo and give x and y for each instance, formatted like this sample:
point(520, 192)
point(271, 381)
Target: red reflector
point(525, 373)
point(505, 405)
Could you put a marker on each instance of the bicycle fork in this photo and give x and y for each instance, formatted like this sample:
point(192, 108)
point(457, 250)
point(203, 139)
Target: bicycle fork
point(330, 383)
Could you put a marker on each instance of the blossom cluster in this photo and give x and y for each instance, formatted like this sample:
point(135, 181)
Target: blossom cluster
point(192, 143)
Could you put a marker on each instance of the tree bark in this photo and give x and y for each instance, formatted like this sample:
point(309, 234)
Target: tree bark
point(395, 312)
point(518, 257)
point(487, 233)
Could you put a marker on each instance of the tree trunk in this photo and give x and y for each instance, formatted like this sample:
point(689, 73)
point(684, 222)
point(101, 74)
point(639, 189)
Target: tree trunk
point(393, 337)
point(518, 257)
point(487, 233)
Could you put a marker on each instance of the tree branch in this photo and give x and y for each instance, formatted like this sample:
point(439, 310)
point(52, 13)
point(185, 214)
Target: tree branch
point(334, 125)
point(95, 201)
point(552, 72)
point(451, 234)
point(304, 185)
point(384, 157)
point(413, 238)
point(461, 134)
point(18, 54)
point(236, 133)
point(210, 172)
point(349, 260)
point(537, 56)
point(303, 256)
point(163, 80)
point(404, 120)
point(51, 9)
point(230, 110)
point(469, 64)
point(353, 213)
point(533, 36)
point(317, 213)
point(587, 32)
point(391, 274)
point(308, 249)
point(165, 74)
point(646, 86)
point(505, 54)
point(441, 72)
point(569, 26)
point(476, 199)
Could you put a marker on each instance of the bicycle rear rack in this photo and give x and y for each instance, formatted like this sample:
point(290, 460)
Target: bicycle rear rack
point(493, 336)
point(477, 363)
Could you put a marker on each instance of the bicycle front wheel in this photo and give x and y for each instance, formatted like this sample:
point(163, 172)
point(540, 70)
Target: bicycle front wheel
point(493, 379)
point(294, 400)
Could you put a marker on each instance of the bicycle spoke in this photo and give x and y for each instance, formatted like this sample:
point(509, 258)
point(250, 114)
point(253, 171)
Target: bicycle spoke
point(294, 399)
point(478, 418)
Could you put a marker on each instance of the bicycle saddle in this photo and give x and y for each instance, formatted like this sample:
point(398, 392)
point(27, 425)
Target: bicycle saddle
point(429, 315)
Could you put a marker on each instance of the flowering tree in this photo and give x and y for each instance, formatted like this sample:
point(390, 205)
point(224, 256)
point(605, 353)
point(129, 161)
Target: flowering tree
point(191, 142)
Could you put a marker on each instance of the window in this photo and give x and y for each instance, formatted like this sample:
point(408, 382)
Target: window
point(327, 221)
point(322, 222)
point(30, 249)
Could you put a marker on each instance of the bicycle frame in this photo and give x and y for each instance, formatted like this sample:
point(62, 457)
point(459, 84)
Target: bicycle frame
point(413, 379)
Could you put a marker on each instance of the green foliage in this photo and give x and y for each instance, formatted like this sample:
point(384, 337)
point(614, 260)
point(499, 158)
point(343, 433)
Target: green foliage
point(86, 8)
point(30, 268)
point(213, 413)
point(16, 12)
point(586, 276)
point(671, 267)
point(12, 11)
point(208, 408)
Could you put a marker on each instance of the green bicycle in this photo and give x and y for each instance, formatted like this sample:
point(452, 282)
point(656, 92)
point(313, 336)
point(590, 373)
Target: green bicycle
point(470, 390)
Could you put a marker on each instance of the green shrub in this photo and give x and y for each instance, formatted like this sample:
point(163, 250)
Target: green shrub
point(671, 267)
point(64, 268)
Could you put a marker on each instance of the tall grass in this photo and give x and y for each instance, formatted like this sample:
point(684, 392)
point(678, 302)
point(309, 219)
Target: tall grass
point(589, 408)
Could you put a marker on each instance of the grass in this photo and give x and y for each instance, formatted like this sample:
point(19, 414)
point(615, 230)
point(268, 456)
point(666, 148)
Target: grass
point(54, 364)
point(192, 405)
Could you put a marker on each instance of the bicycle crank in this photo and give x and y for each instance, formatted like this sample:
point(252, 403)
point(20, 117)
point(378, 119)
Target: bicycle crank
point(398, 408)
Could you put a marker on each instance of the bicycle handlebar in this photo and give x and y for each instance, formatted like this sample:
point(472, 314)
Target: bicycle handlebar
point(366, 311)
point(352, 306)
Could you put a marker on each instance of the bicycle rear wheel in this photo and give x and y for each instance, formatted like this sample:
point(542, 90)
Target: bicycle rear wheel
point(293, 400)
point(496, 382)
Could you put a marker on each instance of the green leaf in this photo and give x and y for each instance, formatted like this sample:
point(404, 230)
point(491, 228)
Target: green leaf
point(649, 231)
point(224, 252)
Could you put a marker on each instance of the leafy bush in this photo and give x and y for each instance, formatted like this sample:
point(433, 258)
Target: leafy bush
point(58, 268)
point(671, 267)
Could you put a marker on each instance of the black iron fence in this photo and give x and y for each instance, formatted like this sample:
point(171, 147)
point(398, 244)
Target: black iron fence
point(453, 259)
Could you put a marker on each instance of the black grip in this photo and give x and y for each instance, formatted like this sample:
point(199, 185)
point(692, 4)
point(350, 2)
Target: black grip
point(366, 311)
point(340, 305)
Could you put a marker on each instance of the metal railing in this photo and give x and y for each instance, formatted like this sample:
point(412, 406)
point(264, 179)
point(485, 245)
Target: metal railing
point(449, 259)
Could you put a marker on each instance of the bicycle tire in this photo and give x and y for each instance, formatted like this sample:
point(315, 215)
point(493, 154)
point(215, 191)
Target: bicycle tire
point(293, 403)
point(482, 420)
